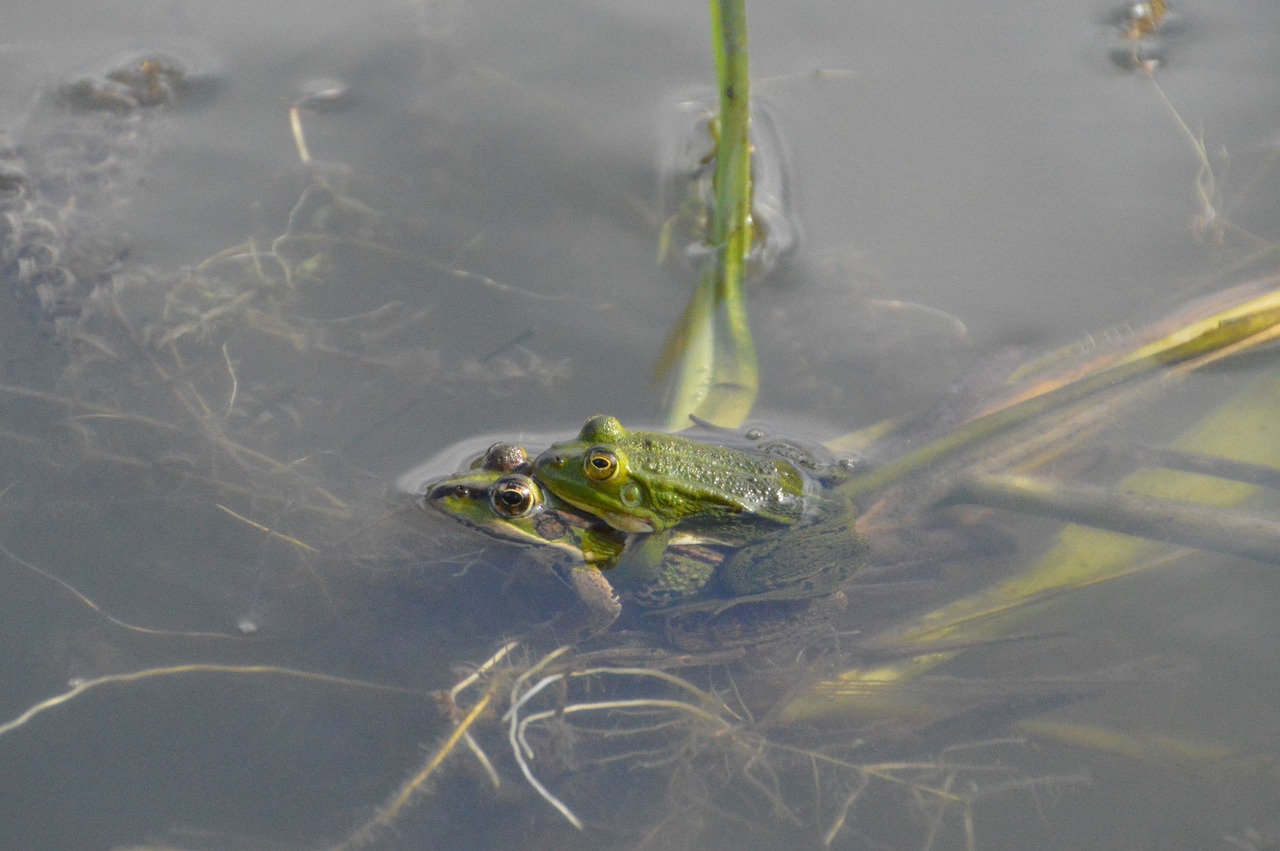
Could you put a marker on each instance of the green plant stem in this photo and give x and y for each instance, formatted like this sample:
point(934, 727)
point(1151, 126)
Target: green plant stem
point(1186, 524)
point(718, 379)
point(1195, 344)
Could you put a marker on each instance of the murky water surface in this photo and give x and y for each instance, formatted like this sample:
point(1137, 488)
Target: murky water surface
point(219, 352)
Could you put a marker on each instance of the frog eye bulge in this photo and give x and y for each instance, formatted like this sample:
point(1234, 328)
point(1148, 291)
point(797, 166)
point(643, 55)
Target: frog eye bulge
point(600, 464)
point(503, 458)
point(513, 497)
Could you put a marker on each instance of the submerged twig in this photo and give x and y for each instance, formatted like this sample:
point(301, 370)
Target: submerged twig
point(79, 687)
point(84, 598)
point(1252, 537)
point(389, 813)
point(280, 536)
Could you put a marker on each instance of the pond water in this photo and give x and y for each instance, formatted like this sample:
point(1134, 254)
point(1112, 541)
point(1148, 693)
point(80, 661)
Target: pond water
point(201, 428)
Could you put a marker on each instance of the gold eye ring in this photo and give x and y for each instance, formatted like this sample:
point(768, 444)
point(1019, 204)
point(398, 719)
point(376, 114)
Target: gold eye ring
point(513, 496)
point(600, 464)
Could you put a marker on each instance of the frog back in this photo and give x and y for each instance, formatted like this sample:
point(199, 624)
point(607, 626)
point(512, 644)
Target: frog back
point(685, 478)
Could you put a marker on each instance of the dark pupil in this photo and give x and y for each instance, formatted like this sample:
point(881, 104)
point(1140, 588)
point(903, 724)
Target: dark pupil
point(512, 497)
point(600, 463)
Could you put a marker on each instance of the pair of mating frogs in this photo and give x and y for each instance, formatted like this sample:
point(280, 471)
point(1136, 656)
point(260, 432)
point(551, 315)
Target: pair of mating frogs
point(668, 523)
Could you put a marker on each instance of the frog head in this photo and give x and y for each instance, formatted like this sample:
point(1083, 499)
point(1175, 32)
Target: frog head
point(593, 472)
point(495, 496)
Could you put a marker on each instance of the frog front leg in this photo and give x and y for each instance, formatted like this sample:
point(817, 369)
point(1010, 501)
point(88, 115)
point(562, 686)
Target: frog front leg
point(602, 546)
point(659, 568)
point(599, 605)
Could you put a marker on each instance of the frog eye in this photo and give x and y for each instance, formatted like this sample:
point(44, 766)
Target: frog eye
point(513, 497)
point(600, 464)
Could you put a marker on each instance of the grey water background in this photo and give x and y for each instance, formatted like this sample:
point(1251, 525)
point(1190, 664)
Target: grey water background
point(988, 161)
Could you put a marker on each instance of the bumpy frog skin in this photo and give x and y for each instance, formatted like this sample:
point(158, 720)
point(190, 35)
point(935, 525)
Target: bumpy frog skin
point(791, 541)
point(644, 481)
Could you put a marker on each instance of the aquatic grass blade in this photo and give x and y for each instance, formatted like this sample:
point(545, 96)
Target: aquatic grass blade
point(711, 348)
point(1244, 429)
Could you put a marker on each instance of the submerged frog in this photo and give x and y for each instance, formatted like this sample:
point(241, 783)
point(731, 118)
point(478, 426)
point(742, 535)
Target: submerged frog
point(793, 538)
point(497, 496)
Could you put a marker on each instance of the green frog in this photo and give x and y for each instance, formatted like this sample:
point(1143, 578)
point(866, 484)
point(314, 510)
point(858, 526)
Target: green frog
point(644, 481)
point(497, 496)
point(792, 536)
